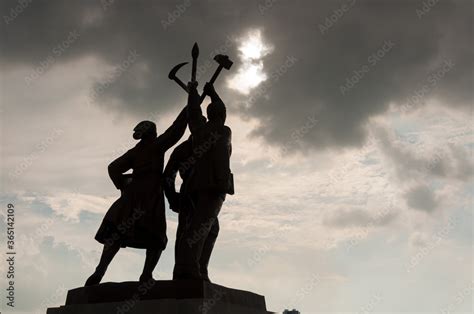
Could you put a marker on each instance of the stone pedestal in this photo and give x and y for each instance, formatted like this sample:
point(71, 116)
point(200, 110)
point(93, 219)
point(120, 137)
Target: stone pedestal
point(157, 297)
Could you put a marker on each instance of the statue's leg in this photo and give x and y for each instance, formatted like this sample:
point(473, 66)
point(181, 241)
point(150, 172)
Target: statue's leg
point(190, 246)
point(207, 250)
point(152, 257)
point(190, 251)
point(108, 253)
point(182, 220)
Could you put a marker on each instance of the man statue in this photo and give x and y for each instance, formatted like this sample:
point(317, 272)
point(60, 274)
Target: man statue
point(182, 161)
point(137, 219)
point(207, 185)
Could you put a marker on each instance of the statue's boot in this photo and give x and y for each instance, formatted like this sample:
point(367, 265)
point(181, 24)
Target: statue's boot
point(108, 254)
point(152, 257)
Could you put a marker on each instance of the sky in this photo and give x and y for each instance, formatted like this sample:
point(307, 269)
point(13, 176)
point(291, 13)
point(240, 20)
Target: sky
point(352, 144)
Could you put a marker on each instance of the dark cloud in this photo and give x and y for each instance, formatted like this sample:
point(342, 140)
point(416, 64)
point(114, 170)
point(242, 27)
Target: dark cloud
point(411, 51)
point(422, 198)
point(326, 61)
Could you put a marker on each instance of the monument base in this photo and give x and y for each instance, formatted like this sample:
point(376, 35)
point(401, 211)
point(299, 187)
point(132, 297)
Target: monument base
point(164, 296)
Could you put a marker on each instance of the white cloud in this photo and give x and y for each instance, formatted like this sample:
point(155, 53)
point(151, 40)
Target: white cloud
point(70, 205)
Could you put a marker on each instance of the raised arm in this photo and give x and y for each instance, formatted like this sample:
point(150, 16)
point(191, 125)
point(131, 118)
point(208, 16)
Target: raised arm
point(213, 94)
point(173, 134)
point(196, 119)
point(169, 179)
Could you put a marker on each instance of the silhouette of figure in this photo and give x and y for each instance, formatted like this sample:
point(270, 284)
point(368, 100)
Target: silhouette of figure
point(137, 219)
point(210, 179)
point(182, 161)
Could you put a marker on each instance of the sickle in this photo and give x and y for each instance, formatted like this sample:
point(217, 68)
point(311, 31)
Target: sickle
point(172, 76)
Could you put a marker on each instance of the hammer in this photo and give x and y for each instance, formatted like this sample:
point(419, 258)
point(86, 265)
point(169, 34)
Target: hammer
point(224, 62)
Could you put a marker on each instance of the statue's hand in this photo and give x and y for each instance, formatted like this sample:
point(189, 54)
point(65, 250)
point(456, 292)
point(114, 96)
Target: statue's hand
point(192, 85)
point(209, 89)
point(174, 202)
point(193, 96)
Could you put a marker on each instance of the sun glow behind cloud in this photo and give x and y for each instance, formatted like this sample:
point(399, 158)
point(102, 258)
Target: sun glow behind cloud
point(251, 71)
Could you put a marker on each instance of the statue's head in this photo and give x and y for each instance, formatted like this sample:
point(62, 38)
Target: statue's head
point(144, 130)
point(216, 112)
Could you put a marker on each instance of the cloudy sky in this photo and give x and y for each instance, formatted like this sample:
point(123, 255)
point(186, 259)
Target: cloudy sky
point(352, 143)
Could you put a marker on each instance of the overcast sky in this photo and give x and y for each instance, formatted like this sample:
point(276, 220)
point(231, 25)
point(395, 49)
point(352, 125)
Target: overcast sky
point(352, 143)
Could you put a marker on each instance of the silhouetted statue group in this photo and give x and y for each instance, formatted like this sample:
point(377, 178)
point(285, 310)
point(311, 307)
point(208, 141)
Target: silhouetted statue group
point(137, 219)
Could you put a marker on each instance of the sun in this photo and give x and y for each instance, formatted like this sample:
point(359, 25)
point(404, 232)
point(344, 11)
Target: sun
point(251, 73)
point(253, 47)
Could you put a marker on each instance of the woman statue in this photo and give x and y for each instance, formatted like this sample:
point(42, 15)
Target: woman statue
point(137, 218)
